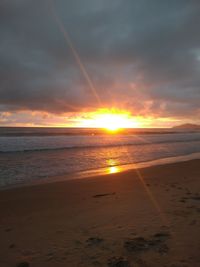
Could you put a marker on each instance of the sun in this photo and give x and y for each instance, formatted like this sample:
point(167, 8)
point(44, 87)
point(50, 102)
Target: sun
point(112, 128)
point(110, 119)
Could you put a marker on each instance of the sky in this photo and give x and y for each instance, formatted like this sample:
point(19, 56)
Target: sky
point(62, 60)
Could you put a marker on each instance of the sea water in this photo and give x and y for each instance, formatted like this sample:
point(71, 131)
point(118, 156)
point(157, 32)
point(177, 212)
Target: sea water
point(33, 154)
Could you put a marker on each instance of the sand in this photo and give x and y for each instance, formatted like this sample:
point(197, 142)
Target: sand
point(142, 218)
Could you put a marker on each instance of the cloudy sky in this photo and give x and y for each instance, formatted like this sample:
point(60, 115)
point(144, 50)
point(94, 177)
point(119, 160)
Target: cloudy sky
point(61, 59)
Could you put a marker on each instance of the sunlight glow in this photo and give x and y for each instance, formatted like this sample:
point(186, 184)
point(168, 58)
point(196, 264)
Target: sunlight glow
point(111, 120)
point(112, 166)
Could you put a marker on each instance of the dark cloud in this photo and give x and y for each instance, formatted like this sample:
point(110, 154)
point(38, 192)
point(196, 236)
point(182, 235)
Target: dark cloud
point(140, 54)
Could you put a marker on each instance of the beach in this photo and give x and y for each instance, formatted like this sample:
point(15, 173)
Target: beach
point(99, 133)
point(145, 217)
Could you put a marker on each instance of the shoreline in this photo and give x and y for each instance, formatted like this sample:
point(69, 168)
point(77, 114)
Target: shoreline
point(105, 171)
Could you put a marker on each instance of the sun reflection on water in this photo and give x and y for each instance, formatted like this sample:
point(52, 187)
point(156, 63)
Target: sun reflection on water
point(112, 168)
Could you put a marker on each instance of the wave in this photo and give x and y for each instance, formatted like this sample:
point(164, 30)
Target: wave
point(95, 145)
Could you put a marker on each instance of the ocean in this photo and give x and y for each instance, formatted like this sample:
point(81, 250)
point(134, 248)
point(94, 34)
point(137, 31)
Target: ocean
point(37, 155)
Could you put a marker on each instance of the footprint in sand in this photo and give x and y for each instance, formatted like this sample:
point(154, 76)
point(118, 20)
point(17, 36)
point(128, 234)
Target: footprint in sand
point(23, 264)
point(12, 245)
point(139, 244)
point(118, 262)
point(94, 241)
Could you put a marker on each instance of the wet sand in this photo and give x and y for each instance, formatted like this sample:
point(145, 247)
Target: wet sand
point(149, 217)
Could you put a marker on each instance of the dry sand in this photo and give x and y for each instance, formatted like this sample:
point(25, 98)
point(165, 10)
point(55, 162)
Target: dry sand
point(145, 218)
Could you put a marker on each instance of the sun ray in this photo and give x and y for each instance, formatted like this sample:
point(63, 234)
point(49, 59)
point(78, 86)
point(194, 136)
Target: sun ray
point(74, 52)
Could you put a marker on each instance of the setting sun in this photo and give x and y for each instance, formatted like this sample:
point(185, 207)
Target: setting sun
point(111, 120)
